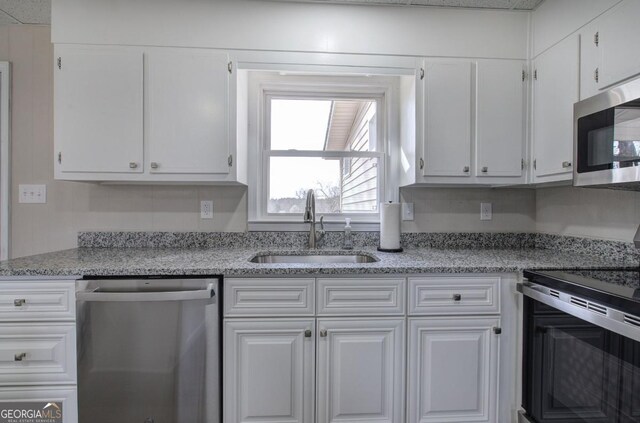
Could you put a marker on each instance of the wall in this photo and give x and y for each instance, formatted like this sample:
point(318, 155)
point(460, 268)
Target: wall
point(587, 212)
point(72, 206)
point(299, 27)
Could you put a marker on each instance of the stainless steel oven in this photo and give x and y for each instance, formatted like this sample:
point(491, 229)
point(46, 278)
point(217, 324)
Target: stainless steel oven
point(581, 347)
point(607, 139)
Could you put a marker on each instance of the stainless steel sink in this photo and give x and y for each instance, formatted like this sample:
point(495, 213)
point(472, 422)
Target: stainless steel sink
point(313, 258)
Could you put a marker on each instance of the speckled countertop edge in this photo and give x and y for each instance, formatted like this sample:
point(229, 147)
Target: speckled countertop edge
point(232, 262)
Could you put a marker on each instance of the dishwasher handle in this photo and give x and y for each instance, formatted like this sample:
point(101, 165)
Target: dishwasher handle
point(142, 296)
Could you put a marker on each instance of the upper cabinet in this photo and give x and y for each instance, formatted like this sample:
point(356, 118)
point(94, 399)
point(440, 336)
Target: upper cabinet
point(555, 90)
point(470, 121)
point(98, 111)
point(133, 114)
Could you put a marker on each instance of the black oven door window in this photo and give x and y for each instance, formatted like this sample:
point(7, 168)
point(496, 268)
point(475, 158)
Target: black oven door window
point(576, 372)
point(609, 139)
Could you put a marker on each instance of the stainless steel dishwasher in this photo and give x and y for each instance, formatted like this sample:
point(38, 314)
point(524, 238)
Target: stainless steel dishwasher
point(149, 350)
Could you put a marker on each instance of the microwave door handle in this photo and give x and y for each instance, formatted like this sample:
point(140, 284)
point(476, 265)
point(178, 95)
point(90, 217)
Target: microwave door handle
point(141, 296)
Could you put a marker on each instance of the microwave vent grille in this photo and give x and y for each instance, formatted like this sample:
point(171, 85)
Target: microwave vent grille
point(579, 302)
point(597, 308)
point(554, 293)
point(632, 320)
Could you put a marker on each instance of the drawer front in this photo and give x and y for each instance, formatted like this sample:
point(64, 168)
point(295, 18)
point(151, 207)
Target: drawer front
point(454, 295)
point(269, 297)
point(28, 301)
point(37, 354)
point(66, 398)
point(360, 297)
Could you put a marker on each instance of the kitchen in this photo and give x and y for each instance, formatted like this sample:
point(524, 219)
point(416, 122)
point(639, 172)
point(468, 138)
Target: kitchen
point(153, 139)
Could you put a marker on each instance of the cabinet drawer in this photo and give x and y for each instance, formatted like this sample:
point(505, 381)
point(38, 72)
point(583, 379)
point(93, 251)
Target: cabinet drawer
point(65, 398)
point(360, 296)
point(454, 295)
point(37, 354)
point(28, 301)
point(271, 297)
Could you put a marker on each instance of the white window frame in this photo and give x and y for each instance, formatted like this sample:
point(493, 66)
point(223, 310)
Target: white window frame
point(266, 86)
point(5, 162)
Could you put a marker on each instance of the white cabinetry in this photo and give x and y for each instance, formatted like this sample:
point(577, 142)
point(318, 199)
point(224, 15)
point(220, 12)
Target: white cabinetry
point(145, 114)
point(98, 111)
point(38, 343)
point(555, 90)
point(360, 370)
point(269, 370)
point(470, 119)
point(453, 370)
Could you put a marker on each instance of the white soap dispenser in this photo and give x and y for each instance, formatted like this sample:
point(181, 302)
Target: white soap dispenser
point(347, 242)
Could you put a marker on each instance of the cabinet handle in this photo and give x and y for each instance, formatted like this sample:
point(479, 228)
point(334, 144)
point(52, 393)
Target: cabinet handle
point(457, 297)
point(497, 331)
point(323, 333)
point(566, 164)
point(465, 169)
point(133, 165)
point(307, 333)
point(596, 75)
point(19, 302)
point(154, 165)
point(485, 169)
point(20, 356)
point(421, 164)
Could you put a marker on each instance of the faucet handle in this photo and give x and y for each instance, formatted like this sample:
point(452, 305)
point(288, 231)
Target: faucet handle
point(320, 234)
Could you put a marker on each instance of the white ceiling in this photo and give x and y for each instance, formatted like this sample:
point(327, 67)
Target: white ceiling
point(25, 11)
point(39, 11)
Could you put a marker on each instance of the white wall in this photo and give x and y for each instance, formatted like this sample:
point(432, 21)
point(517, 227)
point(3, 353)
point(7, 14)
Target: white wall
point(300, 27)
point(587, 212)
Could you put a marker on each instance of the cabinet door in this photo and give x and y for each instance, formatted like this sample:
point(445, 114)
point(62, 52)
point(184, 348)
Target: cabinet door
point(188, 111)
point(619, 38)
point(65, 396)
point(447, 118)
point(501, 118)
point(269, 371)
point(590, 81)
point(99, 109)
point(360, 370)
point(555, 91)
point(453, 370)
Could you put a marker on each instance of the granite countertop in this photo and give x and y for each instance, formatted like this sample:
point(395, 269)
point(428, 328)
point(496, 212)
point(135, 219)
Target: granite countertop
point(235, 262)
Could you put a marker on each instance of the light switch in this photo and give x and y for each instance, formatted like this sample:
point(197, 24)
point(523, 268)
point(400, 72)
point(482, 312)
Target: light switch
point(486, 212)
point(32, 193)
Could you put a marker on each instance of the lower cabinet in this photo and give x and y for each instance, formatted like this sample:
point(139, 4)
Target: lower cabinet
point(360, 370)
point(269, 370)
point(453, 373)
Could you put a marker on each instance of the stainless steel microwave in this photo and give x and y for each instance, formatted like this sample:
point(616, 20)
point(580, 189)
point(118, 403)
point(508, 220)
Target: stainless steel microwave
point(607, 139)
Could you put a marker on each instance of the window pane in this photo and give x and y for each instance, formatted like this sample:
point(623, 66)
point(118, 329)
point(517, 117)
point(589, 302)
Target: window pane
point(347, 185)
point(323, 125)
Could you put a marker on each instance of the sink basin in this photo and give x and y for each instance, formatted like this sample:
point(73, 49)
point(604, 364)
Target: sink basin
point(313, 258)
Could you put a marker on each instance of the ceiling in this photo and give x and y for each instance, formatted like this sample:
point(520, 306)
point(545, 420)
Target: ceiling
point(39, 11)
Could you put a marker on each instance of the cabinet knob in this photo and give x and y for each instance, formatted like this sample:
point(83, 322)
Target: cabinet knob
point(307, 333)
point(19, 302)
point(133, 165)
point(485, 169)
point(20, 356)
point(566, 164)
point(154, 165)
point(497, 331)
point(457, 297)
point(465, 169)
point(323, 333)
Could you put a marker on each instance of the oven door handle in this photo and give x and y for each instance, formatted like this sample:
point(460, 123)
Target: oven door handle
point(144, 296)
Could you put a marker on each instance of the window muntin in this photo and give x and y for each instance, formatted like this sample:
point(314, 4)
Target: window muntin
point(326, 143)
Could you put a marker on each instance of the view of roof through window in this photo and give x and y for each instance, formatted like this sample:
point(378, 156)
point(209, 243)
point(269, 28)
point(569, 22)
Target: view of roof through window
point(342, 184)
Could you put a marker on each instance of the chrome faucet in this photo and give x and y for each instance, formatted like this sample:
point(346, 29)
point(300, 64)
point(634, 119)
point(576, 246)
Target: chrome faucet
point(310, 217)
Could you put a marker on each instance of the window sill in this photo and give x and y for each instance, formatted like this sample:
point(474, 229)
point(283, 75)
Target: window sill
point(296, 226)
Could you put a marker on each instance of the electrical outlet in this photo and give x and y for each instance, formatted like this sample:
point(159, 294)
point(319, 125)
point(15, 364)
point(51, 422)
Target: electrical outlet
point(486, 212)
point(407, 211)
point(32, 193)
point(206, 209)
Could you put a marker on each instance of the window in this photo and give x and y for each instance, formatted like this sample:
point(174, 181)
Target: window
point(324, 133)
